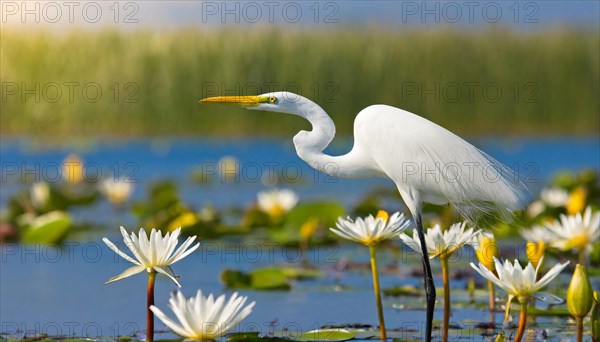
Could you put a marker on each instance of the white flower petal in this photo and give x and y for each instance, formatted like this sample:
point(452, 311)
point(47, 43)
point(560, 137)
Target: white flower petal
point(178, 329)
point(204, 317)
point(370, 230)
point(166, 270)
point(548, 277)
point(127, 273)
point(119, 252)
point(154, 252)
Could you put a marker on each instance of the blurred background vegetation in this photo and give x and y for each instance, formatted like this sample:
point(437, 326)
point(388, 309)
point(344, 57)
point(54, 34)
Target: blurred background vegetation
point(151, 81)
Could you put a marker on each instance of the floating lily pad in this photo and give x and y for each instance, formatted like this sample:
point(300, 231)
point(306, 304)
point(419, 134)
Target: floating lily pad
point(560, 311)
point(326, 335)
point(301, 273)
point(47, 228)
point(234, 279)
point(244, 336)
point(327, 212)
point(266, 278)
point(404, 290)
point(269, 279)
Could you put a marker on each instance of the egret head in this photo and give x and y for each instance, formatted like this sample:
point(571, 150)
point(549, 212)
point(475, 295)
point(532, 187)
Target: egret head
point(286, 102)
point(281, 101)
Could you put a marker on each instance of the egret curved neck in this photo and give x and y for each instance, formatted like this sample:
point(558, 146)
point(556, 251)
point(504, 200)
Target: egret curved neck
point(310, 146)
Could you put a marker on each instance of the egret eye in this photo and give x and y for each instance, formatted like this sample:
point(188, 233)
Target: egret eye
point(272, 99)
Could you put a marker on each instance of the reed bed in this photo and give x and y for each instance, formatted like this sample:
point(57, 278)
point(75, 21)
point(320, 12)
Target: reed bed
point(485, 82)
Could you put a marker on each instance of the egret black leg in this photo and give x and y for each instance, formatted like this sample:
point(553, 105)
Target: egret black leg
point(429, 286)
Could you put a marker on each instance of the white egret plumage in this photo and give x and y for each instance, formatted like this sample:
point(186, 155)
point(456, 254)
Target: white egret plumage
point(426, 162)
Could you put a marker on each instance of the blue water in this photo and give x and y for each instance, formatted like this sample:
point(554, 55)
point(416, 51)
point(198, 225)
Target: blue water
point(145, 160)
point(62, 291)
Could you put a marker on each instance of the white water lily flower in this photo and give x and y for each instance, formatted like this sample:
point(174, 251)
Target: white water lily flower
point(204, 318)
point(116, 191)
point(371, 230)
point(537, 234)
point(276, 202)
point(535, 208)
point(40, 193)
point(154, 254)
point(555, 197)
point(576, 231)
point(439, 243)
point(517, 281)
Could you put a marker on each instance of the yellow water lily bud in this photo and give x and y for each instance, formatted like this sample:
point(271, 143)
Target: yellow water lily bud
point(576, 201)
point(486, 251)
point(595, 318)
point(579, 294)
point(382, 214)
point(309, 228)
point(535, 251)
point(72, 169)
point(186, 219)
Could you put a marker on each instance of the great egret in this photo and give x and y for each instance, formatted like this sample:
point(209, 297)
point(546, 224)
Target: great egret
point(426, 162)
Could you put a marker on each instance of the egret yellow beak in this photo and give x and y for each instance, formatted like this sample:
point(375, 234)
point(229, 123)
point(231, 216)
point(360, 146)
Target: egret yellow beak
point(243, 100)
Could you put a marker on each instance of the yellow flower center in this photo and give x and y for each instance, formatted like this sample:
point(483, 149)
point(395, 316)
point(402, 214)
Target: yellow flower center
point(579, 241)
point(117, 197)
point(276, 211)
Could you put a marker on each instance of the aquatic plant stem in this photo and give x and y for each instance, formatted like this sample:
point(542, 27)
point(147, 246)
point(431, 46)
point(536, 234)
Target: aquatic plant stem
point(582, 258)
point(446, 280)
point(507, 311)
point(150, 302)
point(492, 293)
point(579, 321)
point(377, 292)
point(522, 323)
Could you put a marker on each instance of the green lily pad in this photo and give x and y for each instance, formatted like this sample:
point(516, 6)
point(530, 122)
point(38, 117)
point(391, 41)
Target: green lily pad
point(243, 336)
point(327, 212)
point(234, 279)
point(301, 273)
point(262, 279)
point(326, 335)
point(404, 290)
point(269, 279)
point(557, 312)
point(266, 278)
point(47, 228)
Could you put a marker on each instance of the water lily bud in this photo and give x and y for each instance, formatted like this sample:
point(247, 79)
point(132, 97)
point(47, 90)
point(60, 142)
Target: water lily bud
point(73, 171)
point(577, 200)
point(535, 251)
point(595, 318)
point(579, 294)
point(486, 251)
point(309, 228)
point(382, 214)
